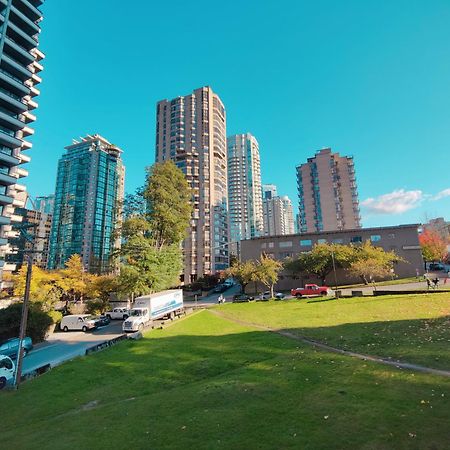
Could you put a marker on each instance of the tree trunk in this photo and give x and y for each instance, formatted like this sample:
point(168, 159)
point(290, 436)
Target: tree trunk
point(271, 291)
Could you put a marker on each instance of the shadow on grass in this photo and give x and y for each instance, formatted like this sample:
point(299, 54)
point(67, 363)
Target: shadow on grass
point(210, 382)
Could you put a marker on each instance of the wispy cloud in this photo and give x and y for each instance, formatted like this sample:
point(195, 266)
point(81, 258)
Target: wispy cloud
point(396, 202)
point(442, 194)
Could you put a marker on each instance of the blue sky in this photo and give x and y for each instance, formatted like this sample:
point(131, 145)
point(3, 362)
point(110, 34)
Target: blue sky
point(367, 78)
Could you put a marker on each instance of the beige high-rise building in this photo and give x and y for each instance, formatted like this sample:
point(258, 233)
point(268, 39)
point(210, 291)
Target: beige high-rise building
point(191, 131)
point(277, 212)
point(328, 197)
point(244, 188)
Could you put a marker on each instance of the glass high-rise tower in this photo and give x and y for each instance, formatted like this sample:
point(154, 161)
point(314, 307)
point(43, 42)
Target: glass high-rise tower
point(88, 199)
point(20, 64)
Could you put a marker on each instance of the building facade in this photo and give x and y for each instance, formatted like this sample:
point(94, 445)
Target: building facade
point(35, 237)
point(327, 193)
point(244, 188)
point(402, 239)
point(278, 214)
point(88, 198)
point(191, 131)
point(20, 64)
point(45, 204)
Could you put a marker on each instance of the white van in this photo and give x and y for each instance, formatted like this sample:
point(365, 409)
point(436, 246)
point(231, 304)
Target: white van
point(83, 322)
point(7, 370)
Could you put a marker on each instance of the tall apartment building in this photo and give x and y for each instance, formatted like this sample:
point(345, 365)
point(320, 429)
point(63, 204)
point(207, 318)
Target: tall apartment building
point(278, 213)
point(37, 226)
point(20, 64)
point(244, 188)
point(88, 197)
point(191, 131)
point(327, 193)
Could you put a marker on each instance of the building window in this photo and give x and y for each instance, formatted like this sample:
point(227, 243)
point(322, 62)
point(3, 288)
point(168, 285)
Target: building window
point(284, 255)
point(271, 244)
point(391, 235)
point(337, 241)
point(263, 245)
point(305, 243)
point(285, 244)
point(356, 239)
point(321, 241)
point(375, 238)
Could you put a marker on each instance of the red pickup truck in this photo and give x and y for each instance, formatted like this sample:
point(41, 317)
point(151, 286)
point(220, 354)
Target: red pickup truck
point(309, 289)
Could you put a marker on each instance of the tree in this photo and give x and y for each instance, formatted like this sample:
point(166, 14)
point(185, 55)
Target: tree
point(372, 263)
point(168, 199)
point(242, 272)
point(319, 261)
point(101, 287)
point(433, 246)
point(267, 270)
point(74, 278)
point(152, 234)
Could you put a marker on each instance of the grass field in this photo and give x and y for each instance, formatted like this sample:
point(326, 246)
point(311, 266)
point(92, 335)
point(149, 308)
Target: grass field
point(413, 328)
point(208, 383)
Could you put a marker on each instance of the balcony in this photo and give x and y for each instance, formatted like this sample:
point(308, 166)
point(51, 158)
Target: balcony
point(20, 187)
point(23, 21)
point(3, 242)
point(6, 200)
point(19, 36)
point(16, 68)
point(5, 220)
point(11, 102)
point(7, 180)
point(19, 203)
point(18, 52)
point(27, 131)
point(23, 158)
point(28, 117)
point(34, 92)
point(20, 172)
point(8, 160)
point(28, 9)
point(9, 121)
point(9, 140)
point(13, 84)
point(26, 145)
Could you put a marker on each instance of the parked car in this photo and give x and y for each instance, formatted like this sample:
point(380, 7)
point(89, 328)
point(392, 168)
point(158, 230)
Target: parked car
point(102, 321)
point(239, 298)
point(11, 346)
point(83, 322)
point(221, 288)
point(310, 289)
point(118, 314)
point(436, 266)
point(7, 369)
point(266, 295)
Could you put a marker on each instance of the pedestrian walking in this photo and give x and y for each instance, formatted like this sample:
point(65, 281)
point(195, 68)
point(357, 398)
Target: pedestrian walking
point(428, 283)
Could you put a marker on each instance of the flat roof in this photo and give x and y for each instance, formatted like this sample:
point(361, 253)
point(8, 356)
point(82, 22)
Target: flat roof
point(321, 233)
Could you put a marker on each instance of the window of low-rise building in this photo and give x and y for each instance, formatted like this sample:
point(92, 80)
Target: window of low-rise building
point(271, 245)
point(305, 243)
point(321, 241)
point(337, 241)
point(356, 239)
point(375, 238)
point(285, 244)
point(263, 245)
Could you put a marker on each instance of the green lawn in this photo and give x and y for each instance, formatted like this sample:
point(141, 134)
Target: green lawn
point(207, 383)
point(412, 328)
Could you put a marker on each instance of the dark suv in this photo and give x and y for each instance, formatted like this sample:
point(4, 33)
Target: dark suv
point(239, 298)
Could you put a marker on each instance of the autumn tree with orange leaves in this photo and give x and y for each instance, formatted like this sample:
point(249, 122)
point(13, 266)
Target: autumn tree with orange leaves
point(433, 246)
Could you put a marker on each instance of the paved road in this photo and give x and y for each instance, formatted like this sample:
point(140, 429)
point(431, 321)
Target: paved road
point(62, 346)
point(211, 299)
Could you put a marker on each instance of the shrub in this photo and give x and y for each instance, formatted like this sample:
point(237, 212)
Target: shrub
point(38, 323)
point(96, 307)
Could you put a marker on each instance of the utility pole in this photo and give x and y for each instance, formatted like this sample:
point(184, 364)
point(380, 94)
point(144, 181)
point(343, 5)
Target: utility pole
point(23, 322)
point(334, 271)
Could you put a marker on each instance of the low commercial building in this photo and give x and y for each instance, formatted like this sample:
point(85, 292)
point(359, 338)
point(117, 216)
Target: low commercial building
point(402, 239)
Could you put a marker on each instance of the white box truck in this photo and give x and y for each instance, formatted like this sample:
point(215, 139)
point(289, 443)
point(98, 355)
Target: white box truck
point(152, 307)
